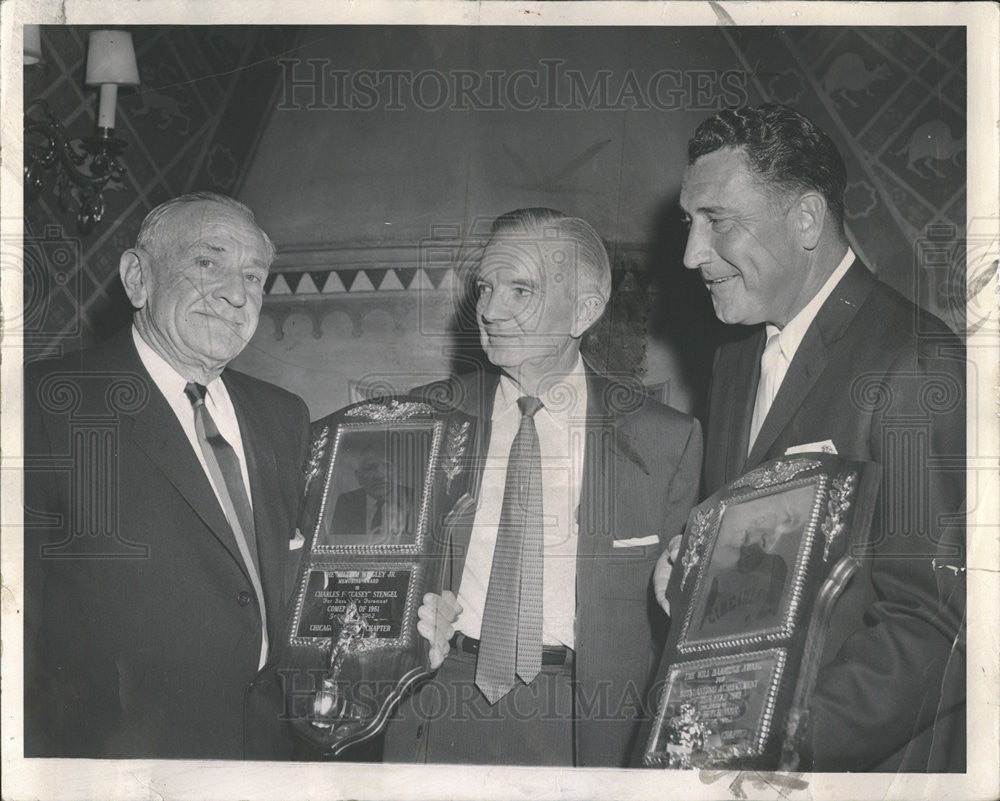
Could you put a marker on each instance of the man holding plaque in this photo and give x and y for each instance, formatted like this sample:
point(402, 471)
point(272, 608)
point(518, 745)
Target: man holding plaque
point(831, 359)
point(581, 481)
point(161, 493)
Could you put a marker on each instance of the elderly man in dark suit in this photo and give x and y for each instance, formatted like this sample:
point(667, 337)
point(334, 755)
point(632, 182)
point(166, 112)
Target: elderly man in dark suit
point(830, 358)
point(161, 496)
point(581, 481)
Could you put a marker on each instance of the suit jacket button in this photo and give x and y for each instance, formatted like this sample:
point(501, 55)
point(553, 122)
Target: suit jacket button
point(243, 599)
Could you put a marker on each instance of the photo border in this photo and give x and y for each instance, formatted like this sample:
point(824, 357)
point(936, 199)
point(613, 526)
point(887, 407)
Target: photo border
point(197, 780)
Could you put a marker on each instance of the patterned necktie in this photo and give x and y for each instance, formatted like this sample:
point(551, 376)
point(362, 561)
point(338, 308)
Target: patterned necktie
point(227, 477)
point(511, 637)
point(771, 362)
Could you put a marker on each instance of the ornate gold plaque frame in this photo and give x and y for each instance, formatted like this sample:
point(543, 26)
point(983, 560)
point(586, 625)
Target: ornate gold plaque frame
point(761, 563)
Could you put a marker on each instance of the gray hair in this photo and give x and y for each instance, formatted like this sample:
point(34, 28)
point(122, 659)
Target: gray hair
point(591, 257)
point(151, 229)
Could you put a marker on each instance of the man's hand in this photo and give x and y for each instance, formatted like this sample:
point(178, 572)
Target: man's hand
point(437, 616)
point(661, 573)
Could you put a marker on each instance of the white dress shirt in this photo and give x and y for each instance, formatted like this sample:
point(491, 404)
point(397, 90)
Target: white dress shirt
point(217, 401)
point(561, 427)
point(790, 337)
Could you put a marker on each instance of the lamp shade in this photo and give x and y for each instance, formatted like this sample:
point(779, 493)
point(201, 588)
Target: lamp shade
point(111, 59)
point(32, 44)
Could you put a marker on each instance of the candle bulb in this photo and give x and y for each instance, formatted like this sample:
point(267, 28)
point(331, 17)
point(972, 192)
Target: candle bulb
point(106, 110)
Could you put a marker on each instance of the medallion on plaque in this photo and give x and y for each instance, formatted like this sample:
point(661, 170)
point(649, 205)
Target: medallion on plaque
point(760, 565)
point(386, 485)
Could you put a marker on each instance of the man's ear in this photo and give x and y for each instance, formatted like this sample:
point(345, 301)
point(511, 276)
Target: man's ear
point(811, 211)
point(130, 271)
point(588, 311)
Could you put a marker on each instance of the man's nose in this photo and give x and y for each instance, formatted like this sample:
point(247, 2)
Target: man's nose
point(232, 288)
point(698, 249)
point(492, 307)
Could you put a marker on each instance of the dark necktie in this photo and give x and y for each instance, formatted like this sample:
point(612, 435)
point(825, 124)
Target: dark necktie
point(227, 477)
point(376, 521)
point(511, 637)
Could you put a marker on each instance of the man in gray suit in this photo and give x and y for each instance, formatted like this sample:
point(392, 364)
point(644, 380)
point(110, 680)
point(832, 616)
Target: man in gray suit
point(596, 476)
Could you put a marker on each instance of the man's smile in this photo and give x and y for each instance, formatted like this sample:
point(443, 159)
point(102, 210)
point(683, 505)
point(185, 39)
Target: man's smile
point(222, 319)
point(713, 282)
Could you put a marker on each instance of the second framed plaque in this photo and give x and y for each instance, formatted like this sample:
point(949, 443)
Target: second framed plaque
point(760, 565)
point(385, 484)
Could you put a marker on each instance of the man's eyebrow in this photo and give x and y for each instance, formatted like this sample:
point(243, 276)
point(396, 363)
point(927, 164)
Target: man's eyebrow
point(204, 244)
point(711, 209)
point(518, 281)
point(528, 282)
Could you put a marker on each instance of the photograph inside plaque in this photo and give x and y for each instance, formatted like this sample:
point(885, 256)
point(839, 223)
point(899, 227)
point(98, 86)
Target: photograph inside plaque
point(746, 584)
point(377, 488)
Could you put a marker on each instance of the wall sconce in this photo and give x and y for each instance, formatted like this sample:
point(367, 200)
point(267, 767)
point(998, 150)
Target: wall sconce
point(80, 176)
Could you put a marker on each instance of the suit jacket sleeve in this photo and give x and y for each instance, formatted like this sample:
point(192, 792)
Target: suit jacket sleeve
point(68, 704)
point(876, 698)
point(44, 724)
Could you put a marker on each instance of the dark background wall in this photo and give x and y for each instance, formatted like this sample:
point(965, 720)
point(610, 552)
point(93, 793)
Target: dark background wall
point(375, 156)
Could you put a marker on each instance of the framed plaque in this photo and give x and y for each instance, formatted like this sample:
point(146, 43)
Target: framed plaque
point(760, 565)
point(386, 484)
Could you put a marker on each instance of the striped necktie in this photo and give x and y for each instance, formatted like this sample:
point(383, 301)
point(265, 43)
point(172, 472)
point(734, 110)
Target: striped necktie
point(227, 478)
point(511, 637)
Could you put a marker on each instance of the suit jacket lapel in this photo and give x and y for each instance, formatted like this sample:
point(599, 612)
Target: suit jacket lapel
point(740, 403)
point(593, 510)
point(475, 392)
point(156, 431)
point(272, 542)
point(605, 444)
point(812, 356)
point(810, 360)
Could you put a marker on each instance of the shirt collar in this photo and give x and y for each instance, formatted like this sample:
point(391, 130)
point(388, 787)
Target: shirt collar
point(170, 382)
point(790, 337)
point(561, 395)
